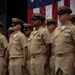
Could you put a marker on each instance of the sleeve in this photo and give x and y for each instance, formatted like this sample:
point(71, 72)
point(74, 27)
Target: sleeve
point(8, 48)
point(47, 37)
point(73, 34)
point(5, 42)
point(23, 41)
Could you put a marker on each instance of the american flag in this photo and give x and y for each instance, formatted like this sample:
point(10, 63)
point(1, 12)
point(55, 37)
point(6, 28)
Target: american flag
point(48, 8)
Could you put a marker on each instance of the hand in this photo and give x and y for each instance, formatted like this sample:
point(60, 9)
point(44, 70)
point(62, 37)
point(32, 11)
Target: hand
point(24, 64)
point(46, 64)
point(5, 64)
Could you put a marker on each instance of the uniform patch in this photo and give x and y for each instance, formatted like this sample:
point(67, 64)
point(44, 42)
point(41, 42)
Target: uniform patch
point(67, 33)
point(38, 36)
point(28, 39)
point(17, 40)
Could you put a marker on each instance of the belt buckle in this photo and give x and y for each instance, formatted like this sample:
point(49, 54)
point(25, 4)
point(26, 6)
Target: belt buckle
point(33, 56)
point(12, 58)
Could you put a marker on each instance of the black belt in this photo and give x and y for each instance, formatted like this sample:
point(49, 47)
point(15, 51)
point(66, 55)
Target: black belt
point(64, 54)
point(14, 58)
point(35, 55)
point(59, 55)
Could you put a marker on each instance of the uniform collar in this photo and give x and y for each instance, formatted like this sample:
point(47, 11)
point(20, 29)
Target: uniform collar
point(66, 26)
point(16, 34)
point(36, 31)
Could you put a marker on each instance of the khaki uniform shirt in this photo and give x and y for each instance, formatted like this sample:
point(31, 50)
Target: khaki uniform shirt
point(64, 40)
point(3, 44)
point(38, 41)
point(17, 43)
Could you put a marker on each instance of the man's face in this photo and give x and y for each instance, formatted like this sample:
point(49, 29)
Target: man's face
point(16, 27)
point(28, 32)
point(63, 17)
point(36, 22)
point(51, 27)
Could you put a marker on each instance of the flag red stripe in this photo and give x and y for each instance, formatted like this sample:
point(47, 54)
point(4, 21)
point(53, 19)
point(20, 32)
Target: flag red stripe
point(67, 3)
point(30, 13)
point(43, 12)
point(55, 12)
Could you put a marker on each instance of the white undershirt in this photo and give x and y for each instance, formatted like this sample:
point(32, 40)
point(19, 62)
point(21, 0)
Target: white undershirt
point(63, 27)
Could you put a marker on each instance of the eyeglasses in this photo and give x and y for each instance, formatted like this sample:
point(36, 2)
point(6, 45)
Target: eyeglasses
point(15, 23)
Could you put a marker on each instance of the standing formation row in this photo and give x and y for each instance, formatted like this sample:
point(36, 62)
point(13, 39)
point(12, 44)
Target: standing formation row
point(34, 50)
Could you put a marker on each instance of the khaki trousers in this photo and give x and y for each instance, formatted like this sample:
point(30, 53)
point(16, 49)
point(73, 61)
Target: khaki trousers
point(28, 66)
point(48, 71)
point(15, 67)
point(65, 62)
point(2, 69)
point(37, 65)
point(60, 72)
point(51, 69)
point(52, 65)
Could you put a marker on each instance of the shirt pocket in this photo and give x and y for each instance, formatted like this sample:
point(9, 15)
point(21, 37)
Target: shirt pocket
point(16, 40)
point(38, 39)
point(67, 37)
point(37, 36)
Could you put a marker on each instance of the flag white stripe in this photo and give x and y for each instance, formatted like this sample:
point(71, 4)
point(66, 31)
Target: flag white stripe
point(36, 10)
point(60, 3)
point(72, 5)
point(48, 11)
